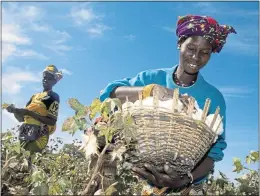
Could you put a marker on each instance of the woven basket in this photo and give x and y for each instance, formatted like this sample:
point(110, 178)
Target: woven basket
point(168, 137)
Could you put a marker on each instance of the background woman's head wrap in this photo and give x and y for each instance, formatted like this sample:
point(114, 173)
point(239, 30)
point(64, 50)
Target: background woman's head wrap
point(205, 26)
point(54, 71)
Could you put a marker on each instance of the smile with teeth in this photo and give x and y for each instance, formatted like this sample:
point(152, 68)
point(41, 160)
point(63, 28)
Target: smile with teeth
point(193, 66)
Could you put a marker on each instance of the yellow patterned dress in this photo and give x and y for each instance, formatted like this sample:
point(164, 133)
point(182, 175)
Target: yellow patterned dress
point(33, 134)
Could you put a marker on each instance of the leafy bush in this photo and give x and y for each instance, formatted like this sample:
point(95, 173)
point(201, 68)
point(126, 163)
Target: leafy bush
point(247, 183)
point(49, 172)
point(66, 170)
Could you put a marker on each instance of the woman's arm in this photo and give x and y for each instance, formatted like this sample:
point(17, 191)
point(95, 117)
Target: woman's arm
point(125, 91)
point(43, 119)
point(203, 168)
point(132, 93)
point(19, 117)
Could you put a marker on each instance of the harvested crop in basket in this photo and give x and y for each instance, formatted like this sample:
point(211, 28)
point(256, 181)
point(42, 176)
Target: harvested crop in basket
point(176, 131)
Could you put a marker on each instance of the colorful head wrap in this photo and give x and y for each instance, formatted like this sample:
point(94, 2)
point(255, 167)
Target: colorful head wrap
point(192, 25)
point(54, 71)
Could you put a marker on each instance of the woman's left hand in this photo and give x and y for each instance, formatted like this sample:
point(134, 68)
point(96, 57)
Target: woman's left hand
point(168, 179)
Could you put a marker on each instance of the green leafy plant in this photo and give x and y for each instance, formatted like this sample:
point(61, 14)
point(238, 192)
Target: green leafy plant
point(62, 169)
point(113, 120)
point(52, 172)
point(247, 183)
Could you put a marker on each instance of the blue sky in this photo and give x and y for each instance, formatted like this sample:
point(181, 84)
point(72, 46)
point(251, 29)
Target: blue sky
point(95, 43)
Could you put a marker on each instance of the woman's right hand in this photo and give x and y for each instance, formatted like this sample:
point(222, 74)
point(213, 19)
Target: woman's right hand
point(11, 108)
point(163, 93)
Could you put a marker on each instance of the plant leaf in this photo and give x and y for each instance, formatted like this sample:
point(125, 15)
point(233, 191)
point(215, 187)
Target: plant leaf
point(116, 104)
point(99, 192)
point(117, 120)
point(17, 148)
point(94, 108)
point(101, 126)
point(105, 107)
point(41, 190)
point(13, 164)
point(62, 185)
point(110, 133)
point(7, 136)
point(111, 189)
point(75, 104)
point(238, 166)
point(110, 106)
point(54, 189)
point(70, 125)
point(81, 123)
point(128, 120)
point(254, 156)
point(248, 159)
point(82, 112)
point(38, 176)
point(223, 176)
point(242, 180)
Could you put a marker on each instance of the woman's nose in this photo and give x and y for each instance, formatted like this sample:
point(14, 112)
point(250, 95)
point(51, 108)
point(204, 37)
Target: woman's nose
point(195, 57)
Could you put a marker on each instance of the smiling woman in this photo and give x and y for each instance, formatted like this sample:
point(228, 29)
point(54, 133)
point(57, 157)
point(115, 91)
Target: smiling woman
point(199, 37)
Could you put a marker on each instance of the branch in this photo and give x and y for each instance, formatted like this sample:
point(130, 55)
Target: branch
point(98, 166)
point(8, 161)
point(6, 164)
point(246, 168)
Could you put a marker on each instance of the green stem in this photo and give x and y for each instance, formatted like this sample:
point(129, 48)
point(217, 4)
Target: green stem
point(248, 169)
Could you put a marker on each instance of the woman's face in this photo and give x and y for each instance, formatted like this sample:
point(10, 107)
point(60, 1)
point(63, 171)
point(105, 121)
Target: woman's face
point(195, 53)
point(48, 81)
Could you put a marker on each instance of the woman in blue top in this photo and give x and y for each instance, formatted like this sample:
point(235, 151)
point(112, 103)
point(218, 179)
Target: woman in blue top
point(199, 37)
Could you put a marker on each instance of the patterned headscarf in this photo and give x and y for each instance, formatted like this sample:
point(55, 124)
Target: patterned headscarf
point(205, 26)
point(54, 71)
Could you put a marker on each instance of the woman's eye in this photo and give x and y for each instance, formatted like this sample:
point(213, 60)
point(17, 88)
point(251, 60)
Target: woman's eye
point(206, 53)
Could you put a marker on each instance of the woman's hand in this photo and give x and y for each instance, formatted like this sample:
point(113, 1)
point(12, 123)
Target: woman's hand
point(133, 92)
point(11, 108)
point(168, 179)
point(19, 111)
point(163, 93)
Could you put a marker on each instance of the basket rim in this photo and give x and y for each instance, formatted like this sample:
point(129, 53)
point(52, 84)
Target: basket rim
point(168, 111)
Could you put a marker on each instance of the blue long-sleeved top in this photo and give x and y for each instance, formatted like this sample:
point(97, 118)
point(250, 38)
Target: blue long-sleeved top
point(200, 90)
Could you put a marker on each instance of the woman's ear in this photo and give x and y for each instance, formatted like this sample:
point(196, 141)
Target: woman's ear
point(180, 42)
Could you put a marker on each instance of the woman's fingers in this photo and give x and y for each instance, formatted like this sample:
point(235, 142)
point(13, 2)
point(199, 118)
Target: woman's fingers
point(170, 172)
point(10, 108)
point(152, 170)
point(144, 174)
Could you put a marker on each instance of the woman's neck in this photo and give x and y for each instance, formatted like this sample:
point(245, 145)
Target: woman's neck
point(183, 77)
point(47, 90)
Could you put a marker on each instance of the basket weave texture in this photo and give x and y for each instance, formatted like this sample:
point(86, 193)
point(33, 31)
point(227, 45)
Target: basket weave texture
point(167, 137)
